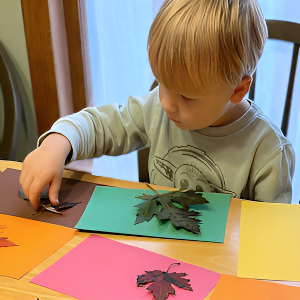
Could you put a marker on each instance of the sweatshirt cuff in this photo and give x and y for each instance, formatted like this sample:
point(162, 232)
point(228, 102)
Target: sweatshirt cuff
point(66, 129)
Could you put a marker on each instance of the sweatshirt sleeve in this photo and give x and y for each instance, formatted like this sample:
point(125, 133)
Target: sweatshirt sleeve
point(273, 182)
point(112, 129)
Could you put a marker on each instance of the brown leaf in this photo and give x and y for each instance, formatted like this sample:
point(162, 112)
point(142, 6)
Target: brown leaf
point(161, 282)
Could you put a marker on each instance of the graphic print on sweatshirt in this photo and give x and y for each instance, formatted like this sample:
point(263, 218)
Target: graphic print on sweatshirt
point(187, 167)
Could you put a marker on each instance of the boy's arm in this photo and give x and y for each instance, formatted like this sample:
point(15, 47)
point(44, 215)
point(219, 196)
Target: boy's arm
point(111, 130)
point(108, 130)
point(45, 166)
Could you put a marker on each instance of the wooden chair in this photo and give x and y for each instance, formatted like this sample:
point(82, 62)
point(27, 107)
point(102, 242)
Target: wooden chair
point(11, 107)
point(17, 123)
point(289, 32)
point(279, 30)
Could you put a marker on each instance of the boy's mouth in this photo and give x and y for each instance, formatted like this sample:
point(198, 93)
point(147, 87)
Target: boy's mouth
point(174, 121)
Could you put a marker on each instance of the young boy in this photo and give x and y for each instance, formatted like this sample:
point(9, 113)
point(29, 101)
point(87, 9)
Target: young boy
point(202, 133)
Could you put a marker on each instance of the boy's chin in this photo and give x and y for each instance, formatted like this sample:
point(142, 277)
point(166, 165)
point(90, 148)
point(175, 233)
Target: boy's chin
point(183, 126)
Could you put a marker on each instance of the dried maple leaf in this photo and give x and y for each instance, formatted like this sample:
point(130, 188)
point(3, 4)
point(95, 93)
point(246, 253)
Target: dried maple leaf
point(46, 204)
point(57, 208)
point(65, 205)
point(162, 205)
point(4, 242)
point(161, 286)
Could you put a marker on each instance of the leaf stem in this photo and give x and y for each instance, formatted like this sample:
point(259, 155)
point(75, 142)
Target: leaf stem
point(153, 189)
point(172, 265)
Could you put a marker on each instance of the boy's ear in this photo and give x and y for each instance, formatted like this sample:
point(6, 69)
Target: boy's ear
point(241, 90)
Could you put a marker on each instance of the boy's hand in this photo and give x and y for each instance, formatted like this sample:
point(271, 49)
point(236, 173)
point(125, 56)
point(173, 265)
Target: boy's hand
point(45, 166)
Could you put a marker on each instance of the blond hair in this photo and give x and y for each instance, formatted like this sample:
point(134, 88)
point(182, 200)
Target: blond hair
point(194, 42)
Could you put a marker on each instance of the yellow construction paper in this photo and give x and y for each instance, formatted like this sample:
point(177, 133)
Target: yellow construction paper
point(35, 242)
point(232, 288)
point(269, 241)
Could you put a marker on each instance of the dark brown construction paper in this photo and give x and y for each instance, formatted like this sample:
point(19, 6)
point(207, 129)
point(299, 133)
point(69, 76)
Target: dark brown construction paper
point(71, 191)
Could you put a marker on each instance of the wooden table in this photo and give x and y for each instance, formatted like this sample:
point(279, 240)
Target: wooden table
point(217, 257)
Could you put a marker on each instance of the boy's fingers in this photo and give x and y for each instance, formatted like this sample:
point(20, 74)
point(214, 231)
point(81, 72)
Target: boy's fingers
point(33, 194)
point(53, 191)
point(22, 178)
point(25, 183)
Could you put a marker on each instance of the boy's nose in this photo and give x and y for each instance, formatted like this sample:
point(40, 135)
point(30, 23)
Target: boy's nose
point(168, 104)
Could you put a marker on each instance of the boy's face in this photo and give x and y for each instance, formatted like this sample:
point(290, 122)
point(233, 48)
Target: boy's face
point(211, 108)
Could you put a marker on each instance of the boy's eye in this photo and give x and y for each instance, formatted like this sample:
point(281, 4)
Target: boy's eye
point(186, 98)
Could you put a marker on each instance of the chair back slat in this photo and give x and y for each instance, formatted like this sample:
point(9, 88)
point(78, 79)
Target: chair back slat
point(284, 31)
point(8, 107)
point(288, 32)
point(252, 87)
point(288, 101)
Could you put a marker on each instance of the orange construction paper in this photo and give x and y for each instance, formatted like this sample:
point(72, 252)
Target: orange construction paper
point(233, 288)
point(36, 241)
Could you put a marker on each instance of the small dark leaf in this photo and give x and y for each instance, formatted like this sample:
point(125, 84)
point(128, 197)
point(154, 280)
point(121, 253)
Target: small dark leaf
point(161, 282)
point(64, 205)
point(45, 201)
point(50, 208)
point(44, 198)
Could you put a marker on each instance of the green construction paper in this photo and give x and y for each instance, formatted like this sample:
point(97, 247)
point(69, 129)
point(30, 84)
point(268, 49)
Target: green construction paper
point(112, 210)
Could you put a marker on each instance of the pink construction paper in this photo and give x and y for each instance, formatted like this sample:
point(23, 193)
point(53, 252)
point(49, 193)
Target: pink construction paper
point(100, 268)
